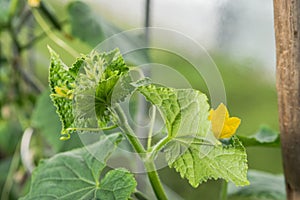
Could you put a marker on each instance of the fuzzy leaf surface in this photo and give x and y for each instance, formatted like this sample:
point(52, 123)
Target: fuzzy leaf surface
point(62, 84)
point(192, 148)
point(76, 175)
point(199, 165)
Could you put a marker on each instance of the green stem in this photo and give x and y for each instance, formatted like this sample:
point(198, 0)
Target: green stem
point(140, 196)
point(51, 35)
point(159, 146)
point(223, 195)
point(151, 127)
point(138, 147)
point(123, 124)
point(93, 129)
point(154, 180)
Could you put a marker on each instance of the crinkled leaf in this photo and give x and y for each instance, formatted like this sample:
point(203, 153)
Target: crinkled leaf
point(103, 100)
point(83, 93)
point(226, 162)
point(264, 137)
point(185, 111)
point(62, 83)
point(76, 175)
point(193, 150)
point(94, 87)
point(86, 84)
point(264, 186)
point(115, 68)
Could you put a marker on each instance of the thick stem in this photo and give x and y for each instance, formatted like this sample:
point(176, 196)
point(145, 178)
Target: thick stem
point(123, 124)
point(155, 181)
point(138, 147)
point(159, 146)
point(287, 32)
point(223, 194)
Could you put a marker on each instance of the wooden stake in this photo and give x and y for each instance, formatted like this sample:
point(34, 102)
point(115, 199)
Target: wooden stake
point(287, 32)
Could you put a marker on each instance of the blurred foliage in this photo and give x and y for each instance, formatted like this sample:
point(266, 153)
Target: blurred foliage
point(264, 137)
point(265, 186)
point(25, 101)
point(81, 15)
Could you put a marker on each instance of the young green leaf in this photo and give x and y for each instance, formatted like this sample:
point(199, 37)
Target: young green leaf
point(75, 175)
point(115, 68)
point(62, 84)
point(226, 162)
point(85, 88)
point(185, 111)
point(192, 148)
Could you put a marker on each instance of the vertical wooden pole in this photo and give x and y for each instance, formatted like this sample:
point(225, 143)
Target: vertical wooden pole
point(287, 32)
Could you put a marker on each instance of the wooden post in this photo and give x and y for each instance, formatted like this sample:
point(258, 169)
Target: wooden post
point(287, 32)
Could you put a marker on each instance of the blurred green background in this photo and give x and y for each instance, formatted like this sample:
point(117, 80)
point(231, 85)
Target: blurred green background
point(72, 27)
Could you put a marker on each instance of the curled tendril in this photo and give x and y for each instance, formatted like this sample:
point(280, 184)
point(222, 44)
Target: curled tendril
point(65, 136)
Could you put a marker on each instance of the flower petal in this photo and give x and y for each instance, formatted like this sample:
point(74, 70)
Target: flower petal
point(230, 127)
point(218, 119)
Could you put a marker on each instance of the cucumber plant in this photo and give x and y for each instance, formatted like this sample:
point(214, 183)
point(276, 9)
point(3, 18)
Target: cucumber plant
point(197, 141)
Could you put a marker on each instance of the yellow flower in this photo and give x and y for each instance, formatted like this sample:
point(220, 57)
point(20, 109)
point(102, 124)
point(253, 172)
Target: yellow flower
point(223, 126)
point(34, 3)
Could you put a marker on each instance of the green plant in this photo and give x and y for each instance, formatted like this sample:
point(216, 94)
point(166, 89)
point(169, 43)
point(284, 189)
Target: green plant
point(79, 173)
point(188, 141)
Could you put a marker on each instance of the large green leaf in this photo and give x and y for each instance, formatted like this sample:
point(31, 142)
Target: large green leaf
point(185, 111)
point(76, 175)
point(264, 186)
point(265, 137)
point(192, 149)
